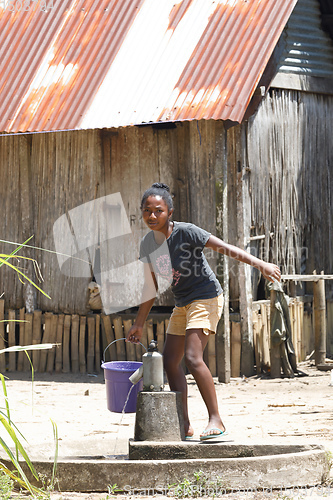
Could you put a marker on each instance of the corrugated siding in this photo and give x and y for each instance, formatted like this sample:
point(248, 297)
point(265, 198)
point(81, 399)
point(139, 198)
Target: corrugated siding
point(309, 49)
point(110, 63)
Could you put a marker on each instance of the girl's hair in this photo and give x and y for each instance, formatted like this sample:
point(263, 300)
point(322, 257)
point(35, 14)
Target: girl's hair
point(158, 189)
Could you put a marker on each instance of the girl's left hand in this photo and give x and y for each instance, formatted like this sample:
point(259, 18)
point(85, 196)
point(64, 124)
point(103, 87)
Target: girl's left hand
point(271, 272)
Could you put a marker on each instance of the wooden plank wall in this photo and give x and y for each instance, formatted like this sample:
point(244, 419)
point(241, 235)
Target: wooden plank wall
point(47, 175)
point(83, 340)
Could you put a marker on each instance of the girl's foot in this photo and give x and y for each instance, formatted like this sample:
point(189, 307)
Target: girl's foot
point(189, 432)
point(214, 428)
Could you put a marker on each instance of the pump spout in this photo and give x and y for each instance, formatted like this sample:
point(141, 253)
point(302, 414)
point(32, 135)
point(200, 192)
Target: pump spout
point(137, 375)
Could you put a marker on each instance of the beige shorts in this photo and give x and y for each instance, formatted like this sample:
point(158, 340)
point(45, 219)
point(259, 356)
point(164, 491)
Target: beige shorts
point(203, 314)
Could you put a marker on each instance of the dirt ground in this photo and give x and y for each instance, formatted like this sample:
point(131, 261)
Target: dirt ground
point(255, 410)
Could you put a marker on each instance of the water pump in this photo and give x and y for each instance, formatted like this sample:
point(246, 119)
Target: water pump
point(151, 370)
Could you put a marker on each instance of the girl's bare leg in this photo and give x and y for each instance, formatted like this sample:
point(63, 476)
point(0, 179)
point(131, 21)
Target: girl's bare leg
point(195, 343)
point(172, 356)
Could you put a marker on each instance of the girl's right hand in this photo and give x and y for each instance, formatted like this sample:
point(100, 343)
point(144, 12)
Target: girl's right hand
point(135, 334)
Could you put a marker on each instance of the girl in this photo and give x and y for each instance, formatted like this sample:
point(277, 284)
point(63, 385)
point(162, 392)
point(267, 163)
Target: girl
point(174, 250)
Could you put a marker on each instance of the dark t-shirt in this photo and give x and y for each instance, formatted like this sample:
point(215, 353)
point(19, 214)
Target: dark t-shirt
point(180, 260)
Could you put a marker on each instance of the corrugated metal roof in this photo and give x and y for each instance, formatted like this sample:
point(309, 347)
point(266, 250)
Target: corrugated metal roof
point(110, 63)
point(309, 49)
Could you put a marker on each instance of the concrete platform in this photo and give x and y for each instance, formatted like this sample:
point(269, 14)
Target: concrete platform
point(149, 450)
point(303, 466)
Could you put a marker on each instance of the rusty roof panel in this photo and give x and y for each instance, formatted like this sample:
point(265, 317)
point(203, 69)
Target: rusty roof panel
point(110, 63)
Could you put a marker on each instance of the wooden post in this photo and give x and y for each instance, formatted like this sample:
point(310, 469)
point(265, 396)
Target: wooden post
point(319, 310)
point(274, 351)
point(243, 238)
point(223, 327)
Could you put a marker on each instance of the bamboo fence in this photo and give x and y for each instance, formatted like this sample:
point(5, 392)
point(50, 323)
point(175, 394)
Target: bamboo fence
point(82, 341)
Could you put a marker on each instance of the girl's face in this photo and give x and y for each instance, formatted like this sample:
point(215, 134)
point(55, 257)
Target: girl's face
point(156, 214)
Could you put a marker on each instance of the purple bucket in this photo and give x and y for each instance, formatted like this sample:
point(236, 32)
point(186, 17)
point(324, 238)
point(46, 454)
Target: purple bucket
point(118, 385)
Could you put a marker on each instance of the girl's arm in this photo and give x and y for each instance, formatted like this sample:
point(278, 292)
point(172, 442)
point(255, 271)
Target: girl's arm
point(148, 298)
point(269, 271)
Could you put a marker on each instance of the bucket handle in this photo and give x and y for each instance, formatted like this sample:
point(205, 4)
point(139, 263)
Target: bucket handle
point(123, 338)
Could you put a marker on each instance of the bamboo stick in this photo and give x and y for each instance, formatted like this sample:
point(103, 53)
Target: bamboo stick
point(144, 339)
point(235, 349)
point(2, 336)
point(130, 348)
point(109, 352)
point(98, 344)
point(51, 352)
point(27, 339)
point(65, 345)
point(256, 319)
point(212, 355)
point(329, 326)
point(75, 364)
point(260, 333)
point(301, 329)
point(150, 330)
point(160, 335)
point(21, 354)
point(319, 310)
point(36, 337)
point(60, 329)
point(264, 338)
point(82, 345)
point(307, 332)
point(91, 344)
point(297, 330)
point(293, 326)
point(119, 334)
point(11, 340)
point(274, 350)
point(46, 339)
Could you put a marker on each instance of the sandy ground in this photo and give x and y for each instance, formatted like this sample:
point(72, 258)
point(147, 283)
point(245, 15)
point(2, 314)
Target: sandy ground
point(254, 410)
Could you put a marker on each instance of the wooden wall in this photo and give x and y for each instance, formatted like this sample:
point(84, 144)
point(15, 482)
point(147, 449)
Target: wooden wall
point(47, 175)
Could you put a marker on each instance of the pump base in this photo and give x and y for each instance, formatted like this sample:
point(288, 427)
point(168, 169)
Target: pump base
point(159, 417)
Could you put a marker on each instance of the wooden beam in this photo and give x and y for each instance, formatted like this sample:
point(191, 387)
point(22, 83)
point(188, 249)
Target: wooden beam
point(306, 277)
